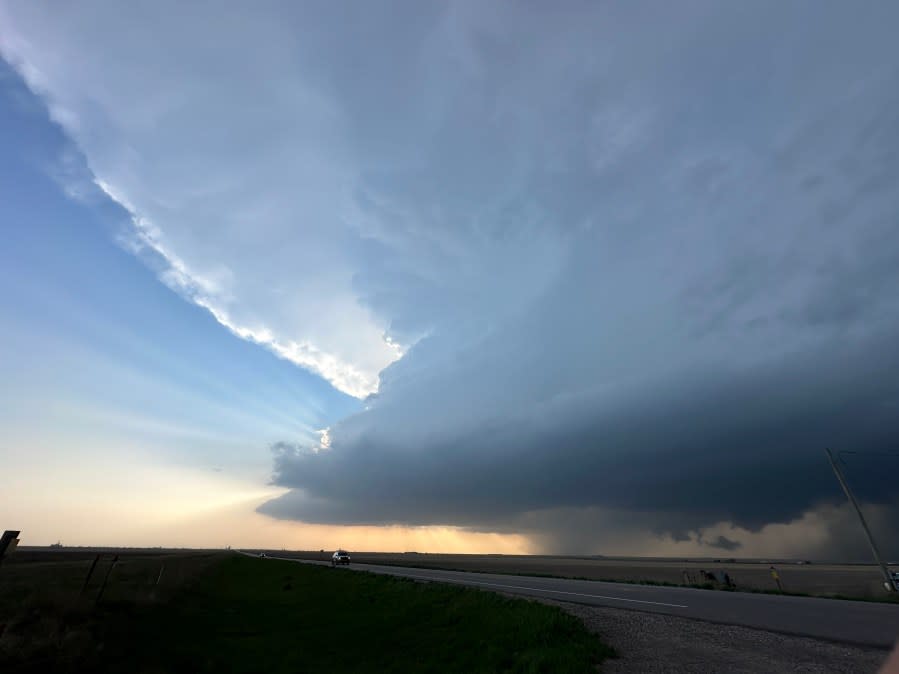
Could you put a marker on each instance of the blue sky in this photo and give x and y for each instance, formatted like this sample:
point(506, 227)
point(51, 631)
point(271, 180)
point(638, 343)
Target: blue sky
point(593, 278)
point(96, 352)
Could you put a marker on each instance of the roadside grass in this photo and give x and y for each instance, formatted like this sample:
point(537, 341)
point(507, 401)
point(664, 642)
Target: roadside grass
point(268, 615)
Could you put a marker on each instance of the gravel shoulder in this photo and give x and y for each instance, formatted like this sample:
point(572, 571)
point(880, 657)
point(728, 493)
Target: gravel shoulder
point(651, 642)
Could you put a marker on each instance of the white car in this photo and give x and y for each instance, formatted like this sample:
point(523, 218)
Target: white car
point(340, 557)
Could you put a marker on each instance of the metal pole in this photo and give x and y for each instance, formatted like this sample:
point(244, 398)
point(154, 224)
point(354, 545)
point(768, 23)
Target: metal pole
point(888, 580)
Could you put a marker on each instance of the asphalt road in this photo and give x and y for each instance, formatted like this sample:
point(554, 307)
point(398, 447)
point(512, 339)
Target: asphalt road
point(854, 622)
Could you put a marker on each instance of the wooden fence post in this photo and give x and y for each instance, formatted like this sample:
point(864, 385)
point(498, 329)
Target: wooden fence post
point(115, 560)
point(90, 572)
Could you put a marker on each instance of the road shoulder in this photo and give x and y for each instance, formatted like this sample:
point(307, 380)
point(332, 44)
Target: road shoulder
point(652, 642)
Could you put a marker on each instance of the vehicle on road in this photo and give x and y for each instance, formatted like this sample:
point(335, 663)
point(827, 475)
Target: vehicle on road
point(340, 557)
point(262, 555)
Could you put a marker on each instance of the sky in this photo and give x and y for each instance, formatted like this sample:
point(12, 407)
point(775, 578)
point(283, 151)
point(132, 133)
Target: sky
point(599, 278)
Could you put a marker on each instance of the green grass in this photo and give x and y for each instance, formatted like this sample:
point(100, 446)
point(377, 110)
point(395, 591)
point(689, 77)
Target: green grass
point(253, 615)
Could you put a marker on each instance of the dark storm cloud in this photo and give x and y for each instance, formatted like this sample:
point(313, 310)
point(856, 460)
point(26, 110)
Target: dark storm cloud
point(716, 300)
point(724, 543)
point(746, 446)
point(824, 532)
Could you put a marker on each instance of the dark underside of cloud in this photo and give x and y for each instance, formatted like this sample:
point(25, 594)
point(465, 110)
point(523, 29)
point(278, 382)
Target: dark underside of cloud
point(699, 448)
point(724, 543)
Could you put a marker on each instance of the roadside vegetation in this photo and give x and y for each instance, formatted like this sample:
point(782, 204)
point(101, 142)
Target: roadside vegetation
point(244, 614)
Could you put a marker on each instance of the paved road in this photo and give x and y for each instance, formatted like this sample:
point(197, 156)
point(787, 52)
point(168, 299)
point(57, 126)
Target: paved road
point(856, 622)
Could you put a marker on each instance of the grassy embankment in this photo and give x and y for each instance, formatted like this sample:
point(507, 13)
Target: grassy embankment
point(251, 615)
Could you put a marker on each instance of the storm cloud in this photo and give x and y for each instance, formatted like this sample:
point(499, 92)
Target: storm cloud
point(716, 442)
point(634, 261)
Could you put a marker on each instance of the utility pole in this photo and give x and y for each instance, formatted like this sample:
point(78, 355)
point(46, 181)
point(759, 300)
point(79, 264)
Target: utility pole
point(888, 579)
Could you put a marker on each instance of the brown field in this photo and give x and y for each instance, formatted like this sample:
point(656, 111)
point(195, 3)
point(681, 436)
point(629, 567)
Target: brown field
point(846, 580)
point(48, 575)
point(47, 613)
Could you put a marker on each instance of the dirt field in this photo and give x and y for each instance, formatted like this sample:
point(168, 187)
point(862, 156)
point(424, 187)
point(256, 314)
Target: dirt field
point(850, 580)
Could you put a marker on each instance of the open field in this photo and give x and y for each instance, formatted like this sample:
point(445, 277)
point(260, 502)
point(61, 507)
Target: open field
point(40, 576)
point(844, 580)
point(235, 613)
point(51, 619)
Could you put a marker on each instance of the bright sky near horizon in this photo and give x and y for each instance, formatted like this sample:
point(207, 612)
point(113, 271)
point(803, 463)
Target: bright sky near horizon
point(593, 278)
point(130, 417)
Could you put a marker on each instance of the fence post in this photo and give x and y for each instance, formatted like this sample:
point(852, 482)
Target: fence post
point(155, 588)
point(90, 572)
point(8, 543)
point(115, 560)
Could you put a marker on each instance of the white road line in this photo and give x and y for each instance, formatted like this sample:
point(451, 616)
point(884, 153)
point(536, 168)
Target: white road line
point(537, 589)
